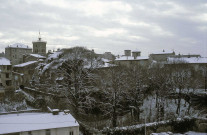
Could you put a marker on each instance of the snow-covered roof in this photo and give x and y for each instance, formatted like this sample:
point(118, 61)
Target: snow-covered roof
point(136, 51)
point(39, 40)
point(187, 60)
point(54, 55)
point(106, 65)
point(19, 45)
point(163, 52)
point(4, 61)
point(38, 56)
point(105, 60)
point(132, 58)
point(25, 64)
point(21, 122)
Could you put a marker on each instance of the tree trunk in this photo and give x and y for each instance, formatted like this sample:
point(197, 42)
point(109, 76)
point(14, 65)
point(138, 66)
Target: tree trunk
point(114, 117)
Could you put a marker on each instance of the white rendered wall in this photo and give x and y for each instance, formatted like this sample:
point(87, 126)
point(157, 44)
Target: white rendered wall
point(56, 131)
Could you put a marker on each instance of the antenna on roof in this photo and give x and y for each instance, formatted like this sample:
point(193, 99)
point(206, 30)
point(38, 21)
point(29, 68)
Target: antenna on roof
point(39, 36)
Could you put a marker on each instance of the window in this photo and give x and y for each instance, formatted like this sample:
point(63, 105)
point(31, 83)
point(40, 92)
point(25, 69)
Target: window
point(8, 82)
point(71, 133)
point(7, 75)
point(8, 68)
point(47, 131)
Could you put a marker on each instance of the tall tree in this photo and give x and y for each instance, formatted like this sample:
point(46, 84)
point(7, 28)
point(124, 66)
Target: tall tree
point(137, 80)
point(115, 86)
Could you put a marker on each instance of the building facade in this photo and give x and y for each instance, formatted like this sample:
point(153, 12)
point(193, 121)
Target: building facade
point(5, 73)
point(38, 123)
point(161, 56)
point(131, 58)
point(33, 57)
point(23, 73)
point(39, 46)
point(16, 51)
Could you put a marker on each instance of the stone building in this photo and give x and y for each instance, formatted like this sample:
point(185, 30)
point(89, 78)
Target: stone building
point(135, 59)
point(5, 73)
point(16, 51)
point(161, 56)
point(198, 63)
point(2, 54)
point(23, 73)
point(33, 57)
point(39, 46)
point(107, 55)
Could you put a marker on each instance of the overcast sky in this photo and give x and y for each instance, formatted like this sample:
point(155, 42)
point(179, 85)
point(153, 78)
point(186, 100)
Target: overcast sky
point(107, 25)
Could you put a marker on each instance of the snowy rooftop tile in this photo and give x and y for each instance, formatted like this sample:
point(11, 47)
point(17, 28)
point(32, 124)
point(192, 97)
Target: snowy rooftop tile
point(25, 64)
point(188, 60)
point(21, 122)
point(20, 45)
point(4, 61)
point(132, 58)
point(38, 56)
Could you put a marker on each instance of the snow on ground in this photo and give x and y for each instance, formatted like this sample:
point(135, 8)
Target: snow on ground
point(170, 107)
point(187, 133)
point(197, 91)
point(12, 106)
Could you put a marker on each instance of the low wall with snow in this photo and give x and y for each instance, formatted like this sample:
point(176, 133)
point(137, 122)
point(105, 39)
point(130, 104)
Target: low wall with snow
point(176, 126)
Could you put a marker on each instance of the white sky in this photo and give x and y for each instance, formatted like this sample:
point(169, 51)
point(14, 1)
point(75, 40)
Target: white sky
point(107, 25)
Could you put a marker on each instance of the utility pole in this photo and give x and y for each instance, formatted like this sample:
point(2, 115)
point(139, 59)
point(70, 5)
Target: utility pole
point(205, 78)
point(145, 129)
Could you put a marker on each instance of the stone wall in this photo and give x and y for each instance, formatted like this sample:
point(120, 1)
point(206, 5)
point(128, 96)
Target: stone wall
point(175, 126)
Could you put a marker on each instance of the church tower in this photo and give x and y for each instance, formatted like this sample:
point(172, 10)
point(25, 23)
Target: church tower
point(39, 46)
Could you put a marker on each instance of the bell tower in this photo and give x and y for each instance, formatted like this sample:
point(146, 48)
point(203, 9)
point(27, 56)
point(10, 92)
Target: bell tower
point(39, 46)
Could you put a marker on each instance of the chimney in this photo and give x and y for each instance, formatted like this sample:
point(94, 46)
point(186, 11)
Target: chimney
point(135, 54)
point(127, 52)
point(55, 111)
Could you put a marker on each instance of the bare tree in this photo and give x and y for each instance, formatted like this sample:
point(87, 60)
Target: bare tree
point(161, 84)
point(180, 76)
point(115, 87)
point(137, 85)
